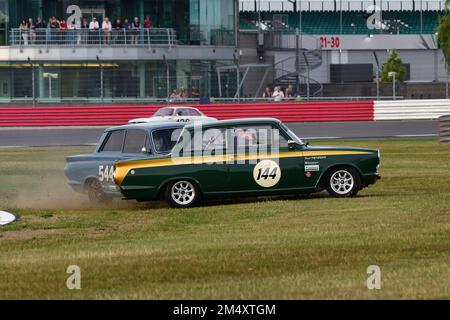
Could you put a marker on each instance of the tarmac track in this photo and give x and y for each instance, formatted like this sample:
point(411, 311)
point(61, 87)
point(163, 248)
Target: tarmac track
point(82, 136)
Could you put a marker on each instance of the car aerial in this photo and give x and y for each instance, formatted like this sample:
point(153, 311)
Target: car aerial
point(177, 114)
point(93, 173)
point(231, 158)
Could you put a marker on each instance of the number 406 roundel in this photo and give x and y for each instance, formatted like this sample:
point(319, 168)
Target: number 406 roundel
point(267, 173)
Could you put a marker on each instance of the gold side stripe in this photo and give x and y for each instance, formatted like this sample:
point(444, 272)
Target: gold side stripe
point(122, 169)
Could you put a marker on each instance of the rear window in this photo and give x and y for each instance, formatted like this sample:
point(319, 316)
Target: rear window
point(114, 141)
point(135, 141)
point(165, 140)
point(164, 112)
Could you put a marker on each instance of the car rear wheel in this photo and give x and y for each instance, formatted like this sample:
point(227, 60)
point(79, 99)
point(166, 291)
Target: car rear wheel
point(182, 194)
point(96, 194)
point(343, 182)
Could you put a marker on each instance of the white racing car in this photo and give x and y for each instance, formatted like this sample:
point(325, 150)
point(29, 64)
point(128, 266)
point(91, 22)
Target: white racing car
point(176, 114)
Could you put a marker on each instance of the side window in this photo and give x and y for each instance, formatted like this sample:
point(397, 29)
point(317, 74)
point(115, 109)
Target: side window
point(165, 140)
point(255, 136)
point(213, 139)
point(135, 141)
point(183, 112)
point(114, 141)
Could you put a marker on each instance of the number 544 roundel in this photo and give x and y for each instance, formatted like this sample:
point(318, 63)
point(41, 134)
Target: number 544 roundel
point(248, 157)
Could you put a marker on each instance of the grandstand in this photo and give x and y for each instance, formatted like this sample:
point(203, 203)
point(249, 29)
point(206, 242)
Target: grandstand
point(328, 22)
point(338, 48)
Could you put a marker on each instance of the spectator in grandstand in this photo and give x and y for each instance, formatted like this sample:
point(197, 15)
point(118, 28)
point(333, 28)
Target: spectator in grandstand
point(267, 93)
point(136, 30)
point(24, 32)
point(32, 28)
point(148, 23)
point(106, 28)
point(278, 94)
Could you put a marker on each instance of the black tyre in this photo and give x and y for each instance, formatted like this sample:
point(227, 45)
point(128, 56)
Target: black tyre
point(343, 182)
point(96, 194)
point(182, 194)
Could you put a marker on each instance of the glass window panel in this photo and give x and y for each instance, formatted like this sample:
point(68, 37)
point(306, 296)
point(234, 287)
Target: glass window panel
point(135, 141)
point(114, 142)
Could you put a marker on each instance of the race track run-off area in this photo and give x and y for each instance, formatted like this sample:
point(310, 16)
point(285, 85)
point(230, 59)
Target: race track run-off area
point(308, 247)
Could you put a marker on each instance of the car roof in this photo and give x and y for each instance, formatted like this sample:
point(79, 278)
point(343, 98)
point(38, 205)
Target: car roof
point(178, 107)
point(148, 126)
point(235, 122)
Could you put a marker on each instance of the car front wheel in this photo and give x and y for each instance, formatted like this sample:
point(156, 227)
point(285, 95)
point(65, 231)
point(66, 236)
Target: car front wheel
point(182, 194)
point(343, 182)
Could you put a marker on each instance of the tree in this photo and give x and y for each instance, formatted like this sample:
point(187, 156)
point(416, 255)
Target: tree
point(393, 64)
point(444, 32)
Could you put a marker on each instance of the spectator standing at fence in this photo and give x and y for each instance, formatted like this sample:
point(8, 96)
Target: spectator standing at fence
point(24, 32)
point(84, 29)
point(136, 27)
point(117, 34)
point(278, 94)
point(184, 93)
point(126, 27)
point(195, 93)
point(290, 93)
point(148, 23)
point(94, 28)
point(54, 27)
point(71, 29)
point(32, 28)
point(63, 31)
point(267, 93)
point(39, 26)
point(107, 28)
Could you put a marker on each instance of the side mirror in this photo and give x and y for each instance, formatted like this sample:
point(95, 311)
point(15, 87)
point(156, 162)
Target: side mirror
point(292, 145)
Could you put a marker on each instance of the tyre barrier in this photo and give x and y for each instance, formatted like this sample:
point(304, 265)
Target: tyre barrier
point(286, 112)
point(411, 109)
point(118, 115)
point(444, 129)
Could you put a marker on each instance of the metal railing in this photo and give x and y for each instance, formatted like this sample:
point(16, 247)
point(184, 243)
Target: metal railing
point(346, 5)
point(93, 38)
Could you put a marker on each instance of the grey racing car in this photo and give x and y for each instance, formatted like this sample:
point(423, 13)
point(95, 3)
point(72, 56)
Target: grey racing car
point(94, 173)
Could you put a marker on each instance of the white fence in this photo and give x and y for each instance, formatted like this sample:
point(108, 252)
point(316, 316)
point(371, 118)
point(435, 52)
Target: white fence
point(411, 109)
